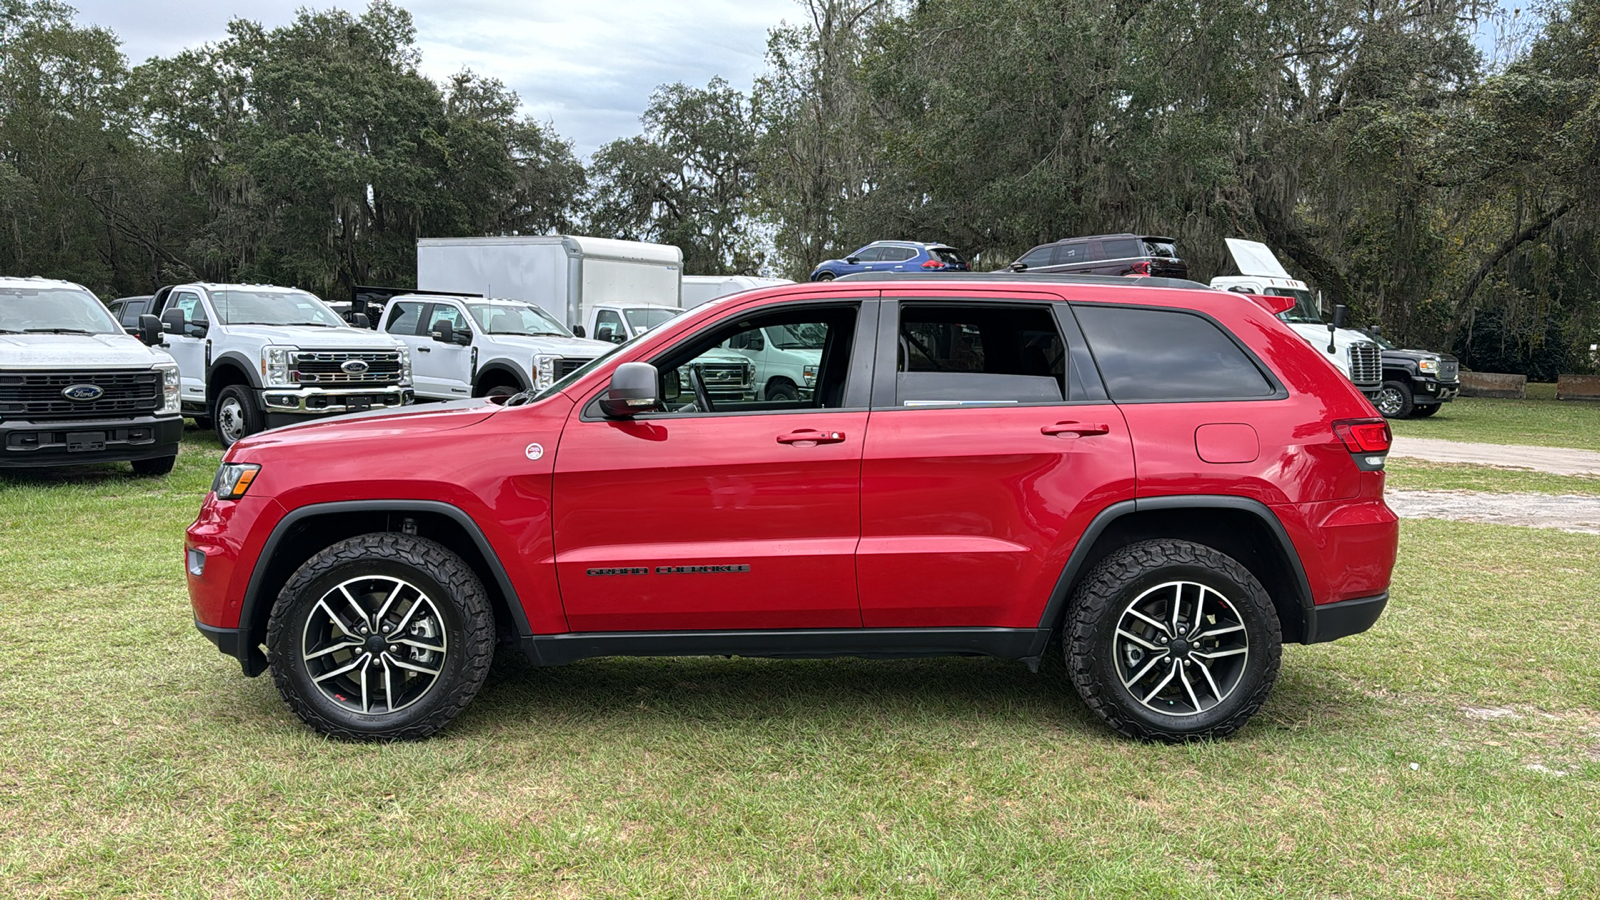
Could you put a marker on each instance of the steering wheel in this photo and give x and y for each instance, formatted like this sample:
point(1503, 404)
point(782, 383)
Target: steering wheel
point(701, 398)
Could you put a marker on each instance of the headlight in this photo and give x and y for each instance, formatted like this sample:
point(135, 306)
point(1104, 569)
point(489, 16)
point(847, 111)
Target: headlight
point(233, 479)
point(749, 371)
point(275, 366)
point(1429, 364)
point(544, 371)
point(405, 366)
point(169, 389)
point(809, 373)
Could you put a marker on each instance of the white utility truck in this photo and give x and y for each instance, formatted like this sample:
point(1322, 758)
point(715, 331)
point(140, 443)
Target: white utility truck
point(567, 276)
point(1353, 352)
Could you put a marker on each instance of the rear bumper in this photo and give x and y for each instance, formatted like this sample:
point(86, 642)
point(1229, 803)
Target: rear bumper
point(1332, 621)
point(53, 442)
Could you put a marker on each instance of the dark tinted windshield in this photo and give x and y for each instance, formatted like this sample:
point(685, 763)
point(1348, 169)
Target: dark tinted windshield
point(54, 309)
point(246, 307)
point(501, 318)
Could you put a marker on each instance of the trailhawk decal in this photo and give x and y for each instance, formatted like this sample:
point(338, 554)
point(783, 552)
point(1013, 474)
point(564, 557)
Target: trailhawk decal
point(670, 570)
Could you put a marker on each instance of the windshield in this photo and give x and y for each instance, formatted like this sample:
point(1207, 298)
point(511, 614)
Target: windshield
point(1303, 312)
point(245, 307)
point(800, 336)
point(643, 317)
point(1381, 341)
point(523, 319)
point(54, 310)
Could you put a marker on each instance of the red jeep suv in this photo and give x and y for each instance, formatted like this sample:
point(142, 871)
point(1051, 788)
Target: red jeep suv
point(1164, 476)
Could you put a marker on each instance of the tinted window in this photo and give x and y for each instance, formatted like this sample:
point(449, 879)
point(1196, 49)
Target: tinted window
point(868, 254)
point(132, 309)
point(1123, 248)
point(1155, 354)
point(947, 256)
point(1160, 249)
point(1038, 256)
point(988, 353)
point(898, 254)
point(1071, 253)
point(404, 316)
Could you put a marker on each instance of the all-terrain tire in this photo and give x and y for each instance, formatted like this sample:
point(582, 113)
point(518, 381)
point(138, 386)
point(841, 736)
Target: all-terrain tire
point(1123, 579)
point(452, 603)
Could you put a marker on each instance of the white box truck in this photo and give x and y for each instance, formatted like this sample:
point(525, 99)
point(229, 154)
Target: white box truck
point(698, 289)
point(566, 275)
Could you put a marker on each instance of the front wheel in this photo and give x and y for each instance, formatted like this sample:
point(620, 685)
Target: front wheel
point(1394, 400)
point(826, 276)
point(237, 416)
point(381, 637)
point(782, 391)
point(1172, 640)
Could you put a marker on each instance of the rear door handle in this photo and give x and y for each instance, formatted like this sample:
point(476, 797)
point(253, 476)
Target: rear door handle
point(1080, 429)
point(811, 436)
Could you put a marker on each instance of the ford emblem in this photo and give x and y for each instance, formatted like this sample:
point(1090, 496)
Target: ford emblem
point(83, 393)
point(354, 367)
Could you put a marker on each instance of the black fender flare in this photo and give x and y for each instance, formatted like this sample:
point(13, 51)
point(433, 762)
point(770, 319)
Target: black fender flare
point(498, 367)
point(248, 648)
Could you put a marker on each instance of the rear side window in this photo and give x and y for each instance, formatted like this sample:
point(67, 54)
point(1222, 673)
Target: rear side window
point(956, 355)
point(1067, 254)
point(897, 254)
point(1158, 354)
point(1123, 248)
point(132, 310)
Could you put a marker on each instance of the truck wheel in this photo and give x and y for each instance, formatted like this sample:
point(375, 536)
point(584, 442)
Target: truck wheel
point(1171, 640)
point(381, 637)
point(161, 465)
point(781, 390)
point(1394, 400)
point(1422, 412)
point(236, 415)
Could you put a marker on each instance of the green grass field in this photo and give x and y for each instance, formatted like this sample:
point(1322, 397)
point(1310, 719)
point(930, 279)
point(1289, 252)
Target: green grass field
point(1541, 420)
point(1453, 751)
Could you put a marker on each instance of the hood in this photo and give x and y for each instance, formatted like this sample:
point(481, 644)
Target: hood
point(1416, 354)
point(77, 351)
point(312, 338)
point(1255, 258)
point(570, 347)
point(378, 423)
point(718, 354)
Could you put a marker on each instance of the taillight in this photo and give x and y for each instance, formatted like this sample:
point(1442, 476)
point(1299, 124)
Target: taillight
point(1367, 440)
point(1140, 268)
point(933, 264)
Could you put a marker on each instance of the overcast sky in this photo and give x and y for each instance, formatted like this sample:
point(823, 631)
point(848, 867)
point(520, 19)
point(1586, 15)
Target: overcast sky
point(588, 66)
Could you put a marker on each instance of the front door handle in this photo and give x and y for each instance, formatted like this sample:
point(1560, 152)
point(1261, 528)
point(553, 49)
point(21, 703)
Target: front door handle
point(809, 436)
point(424, 349)
point(1077, 429)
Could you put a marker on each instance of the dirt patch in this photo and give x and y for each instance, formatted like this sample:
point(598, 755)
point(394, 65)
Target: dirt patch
point(1566, 512)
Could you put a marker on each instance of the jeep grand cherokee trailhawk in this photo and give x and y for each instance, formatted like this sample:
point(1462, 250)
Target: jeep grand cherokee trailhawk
point(1162, 475)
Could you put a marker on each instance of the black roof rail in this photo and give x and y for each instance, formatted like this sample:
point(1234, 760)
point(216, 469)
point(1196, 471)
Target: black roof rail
point(1019, 278)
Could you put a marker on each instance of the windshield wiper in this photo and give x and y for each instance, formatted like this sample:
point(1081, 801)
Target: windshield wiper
point(530, 333)
point(54, 331)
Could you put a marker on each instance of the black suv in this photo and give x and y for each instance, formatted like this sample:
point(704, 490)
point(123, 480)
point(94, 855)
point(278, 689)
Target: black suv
point(1105, 254)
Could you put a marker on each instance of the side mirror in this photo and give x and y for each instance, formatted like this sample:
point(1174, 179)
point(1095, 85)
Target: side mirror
point(171, 320)
point(852, 260)
point(149, 330)
point(360, 320)
point(443, 332)
point(1341, 315)
point(1018, 266)
point(463, 337)
point(632, 391)
point(755, 342)
point(577, 331)
point(196, 331)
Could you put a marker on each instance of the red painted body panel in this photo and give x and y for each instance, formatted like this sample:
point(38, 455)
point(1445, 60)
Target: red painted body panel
point(969, 515)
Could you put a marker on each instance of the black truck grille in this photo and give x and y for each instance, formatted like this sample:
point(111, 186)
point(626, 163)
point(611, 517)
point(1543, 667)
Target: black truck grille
point(1366, 363)
point(339, 367)
point(565, 367)
point(38, 395)
point(1449, 370)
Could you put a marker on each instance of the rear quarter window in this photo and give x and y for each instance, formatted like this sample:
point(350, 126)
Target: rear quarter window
point(1147, 354)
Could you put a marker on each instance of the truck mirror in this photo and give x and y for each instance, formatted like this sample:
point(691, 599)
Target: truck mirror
point(577, 331)
point(150, 330)
point(360, 320)
point(196, 331)
point(172, 320)
point(632, 391)
point(463, 337)
point(1341, 315)
point(443, 332)
point(755, 342)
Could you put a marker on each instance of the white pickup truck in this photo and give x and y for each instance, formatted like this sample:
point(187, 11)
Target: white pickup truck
point(1353, 352)
point(478, 347)
point(727, 375)
point(76, 388)
point(256, 356)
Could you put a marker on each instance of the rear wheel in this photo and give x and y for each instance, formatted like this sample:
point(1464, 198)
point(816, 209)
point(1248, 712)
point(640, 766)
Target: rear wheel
point(1394, 400)
point(237, 416)
point(381, 637)
point(1171, 641)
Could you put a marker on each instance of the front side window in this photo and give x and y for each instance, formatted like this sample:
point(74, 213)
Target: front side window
point(1158, 354)
point(716, 372)
point(867, 254)
point(444, 312)
point(608, 327)
point(194, 311)
point(522, 319)
point(1038, 256)
point(54, 310)
point(237, 306)
point(989, 353)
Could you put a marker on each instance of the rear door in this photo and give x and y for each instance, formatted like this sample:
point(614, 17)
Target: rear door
point(720, 514)
point(991, 448)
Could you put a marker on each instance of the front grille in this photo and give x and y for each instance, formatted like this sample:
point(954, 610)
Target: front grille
point(37, 395)
point(1366, 363)
point(325, 367)
point(1449, 370)
point(565, 367)
point(721, 373)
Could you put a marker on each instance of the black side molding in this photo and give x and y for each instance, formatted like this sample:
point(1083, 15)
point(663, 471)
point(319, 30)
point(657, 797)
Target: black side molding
point(872, 643)
point(1332, 621)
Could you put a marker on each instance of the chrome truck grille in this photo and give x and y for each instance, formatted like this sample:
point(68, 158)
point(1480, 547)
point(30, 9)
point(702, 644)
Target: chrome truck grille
point(341, 367)
point(115, 394)
point(1366, 364)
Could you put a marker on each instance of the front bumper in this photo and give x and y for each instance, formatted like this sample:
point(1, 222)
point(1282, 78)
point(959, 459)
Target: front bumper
point(1427, 390)
point(284, 406)
point(26, 443)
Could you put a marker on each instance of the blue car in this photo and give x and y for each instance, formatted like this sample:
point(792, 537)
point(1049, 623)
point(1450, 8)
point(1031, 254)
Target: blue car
point(893, 256)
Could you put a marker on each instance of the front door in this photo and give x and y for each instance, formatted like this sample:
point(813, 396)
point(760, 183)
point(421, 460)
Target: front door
point(441, 369)
point(188, 347)
point(718, 514)
point(988, 452)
